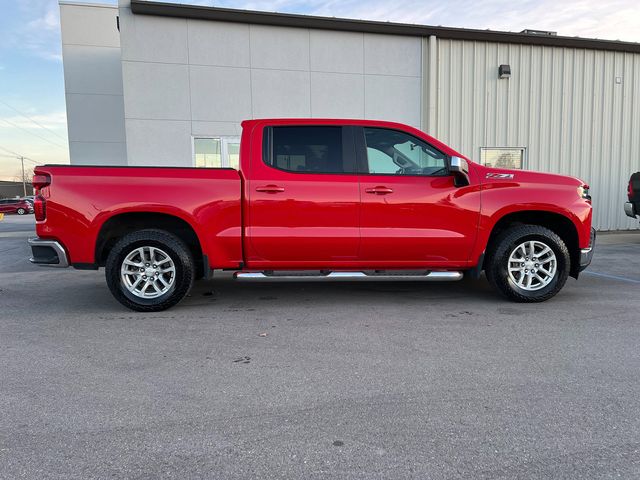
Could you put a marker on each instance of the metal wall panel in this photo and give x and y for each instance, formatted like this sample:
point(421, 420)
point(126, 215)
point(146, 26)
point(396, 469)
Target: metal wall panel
point(564, 105)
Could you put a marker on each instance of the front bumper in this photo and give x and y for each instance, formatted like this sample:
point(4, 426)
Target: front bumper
point(630, 210)
point(48, 253)
point(586, 254)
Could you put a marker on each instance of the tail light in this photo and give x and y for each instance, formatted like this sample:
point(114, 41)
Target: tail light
point(40, 181)
point(40, 208)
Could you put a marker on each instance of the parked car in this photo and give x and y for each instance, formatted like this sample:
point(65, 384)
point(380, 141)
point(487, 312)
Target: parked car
point(15, 205)
point(632, 207)
point(30, 199)
point(316, 200)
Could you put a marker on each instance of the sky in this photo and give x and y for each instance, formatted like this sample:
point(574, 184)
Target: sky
point(32, 105)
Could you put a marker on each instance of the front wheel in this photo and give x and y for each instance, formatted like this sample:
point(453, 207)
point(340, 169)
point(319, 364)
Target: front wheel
point(528, 263)
point(21, 211)
point(149, 270)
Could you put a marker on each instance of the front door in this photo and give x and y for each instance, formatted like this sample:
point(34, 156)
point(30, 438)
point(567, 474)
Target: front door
point(304, 198)
point(412, 214)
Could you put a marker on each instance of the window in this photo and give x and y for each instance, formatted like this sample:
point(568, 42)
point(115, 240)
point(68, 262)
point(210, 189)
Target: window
point(218, 152)
point(233, 154)
point(308, 149)
point(503, 157)
point(392, 152)
point(207, 152)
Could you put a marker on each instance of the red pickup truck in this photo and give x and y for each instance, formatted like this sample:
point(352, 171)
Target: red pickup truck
point(315, 200)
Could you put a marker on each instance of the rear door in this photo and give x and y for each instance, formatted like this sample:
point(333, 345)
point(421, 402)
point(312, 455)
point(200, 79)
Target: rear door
point(304, 197)
point(5, 207)
point(412, 214)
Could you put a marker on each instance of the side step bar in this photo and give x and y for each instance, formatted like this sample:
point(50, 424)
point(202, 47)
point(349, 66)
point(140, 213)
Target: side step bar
point(342, 276)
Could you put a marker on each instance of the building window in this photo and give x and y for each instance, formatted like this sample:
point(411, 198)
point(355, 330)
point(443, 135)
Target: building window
point(207, 152)
point(503, 157)
point(216, 152)
point(233, 154)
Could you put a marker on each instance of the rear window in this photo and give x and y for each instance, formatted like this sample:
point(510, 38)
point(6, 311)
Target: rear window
point(306, 149)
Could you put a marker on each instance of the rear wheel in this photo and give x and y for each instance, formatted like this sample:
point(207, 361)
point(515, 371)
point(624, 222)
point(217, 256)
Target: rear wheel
point(21, 211)
point(528, 263)
point(149, 270)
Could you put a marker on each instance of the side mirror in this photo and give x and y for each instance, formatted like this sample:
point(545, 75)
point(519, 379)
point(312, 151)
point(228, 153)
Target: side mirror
point(459, 168)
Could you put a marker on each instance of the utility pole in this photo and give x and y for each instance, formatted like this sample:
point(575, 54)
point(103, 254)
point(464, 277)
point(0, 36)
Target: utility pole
point(24, 184)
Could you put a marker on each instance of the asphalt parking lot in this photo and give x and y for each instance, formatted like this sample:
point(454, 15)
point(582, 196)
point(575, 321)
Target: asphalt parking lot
point(351, 380)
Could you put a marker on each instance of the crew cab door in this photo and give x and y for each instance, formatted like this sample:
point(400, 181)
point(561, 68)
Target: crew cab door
point(412, 214)
point(303, 197)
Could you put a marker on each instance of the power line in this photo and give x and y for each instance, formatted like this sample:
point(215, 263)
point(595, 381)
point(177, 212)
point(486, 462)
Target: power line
point(33, 133)
point(17, 155)
point(31, 119)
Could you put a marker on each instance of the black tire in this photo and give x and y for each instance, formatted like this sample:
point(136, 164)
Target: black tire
point(496, 267)
point(169, 243)
point(21, 211)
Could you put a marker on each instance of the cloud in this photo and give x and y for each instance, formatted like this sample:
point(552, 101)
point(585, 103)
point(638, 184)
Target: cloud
point(56, 121)
point(609, 19)
point(35, 29)
point(49, 21)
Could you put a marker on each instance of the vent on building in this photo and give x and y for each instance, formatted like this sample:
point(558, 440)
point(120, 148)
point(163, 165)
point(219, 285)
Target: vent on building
point(547, 33)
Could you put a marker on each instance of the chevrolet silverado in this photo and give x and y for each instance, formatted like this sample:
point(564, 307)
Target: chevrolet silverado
point(315, 200)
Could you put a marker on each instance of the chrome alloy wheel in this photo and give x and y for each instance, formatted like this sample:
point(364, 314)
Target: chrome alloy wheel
point(148, 272)
point(532, 265)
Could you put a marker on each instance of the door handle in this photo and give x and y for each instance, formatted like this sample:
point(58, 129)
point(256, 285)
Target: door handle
point(380, 190)
point(270, 189)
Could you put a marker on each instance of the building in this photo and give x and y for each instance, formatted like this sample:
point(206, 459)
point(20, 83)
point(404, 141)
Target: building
point(9, 189)
point(167, 84)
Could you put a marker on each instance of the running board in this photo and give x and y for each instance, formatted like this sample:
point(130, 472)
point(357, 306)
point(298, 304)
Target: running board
point(345, 276)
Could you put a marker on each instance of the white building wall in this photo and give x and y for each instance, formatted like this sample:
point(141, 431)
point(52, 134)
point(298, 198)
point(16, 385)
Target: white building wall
point(576, 111)
point(185, 78)
point(93, 84)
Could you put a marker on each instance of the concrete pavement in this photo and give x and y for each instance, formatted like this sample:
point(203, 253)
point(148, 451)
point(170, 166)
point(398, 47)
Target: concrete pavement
point(352, 380)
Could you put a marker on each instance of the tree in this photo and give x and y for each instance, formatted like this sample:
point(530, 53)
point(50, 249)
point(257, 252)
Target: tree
point(25, 179)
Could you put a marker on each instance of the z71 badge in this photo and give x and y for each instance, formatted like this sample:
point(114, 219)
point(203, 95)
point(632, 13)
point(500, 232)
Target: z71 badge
point(500, 175)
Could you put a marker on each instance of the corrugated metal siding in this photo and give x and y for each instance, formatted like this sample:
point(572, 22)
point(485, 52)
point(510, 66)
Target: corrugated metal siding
point(562, 104)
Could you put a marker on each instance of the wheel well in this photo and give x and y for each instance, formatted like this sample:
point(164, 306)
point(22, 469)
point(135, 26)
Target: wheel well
point(120, 225)
point(557, 223)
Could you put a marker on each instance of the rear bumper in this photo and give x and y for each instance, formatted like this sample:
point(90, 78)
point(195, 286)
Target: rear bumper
point(586, 254)
point(630, 210)
point(48, 253)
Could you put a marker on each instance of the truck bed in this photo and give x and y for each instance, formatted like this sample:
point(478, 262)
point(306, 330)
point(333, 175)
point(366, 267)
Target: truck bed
point(81, 198)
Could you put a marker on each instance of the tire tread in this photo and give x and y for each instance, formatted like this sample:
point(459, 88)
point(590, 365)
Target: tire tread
point(501, 247)
point(185, 259)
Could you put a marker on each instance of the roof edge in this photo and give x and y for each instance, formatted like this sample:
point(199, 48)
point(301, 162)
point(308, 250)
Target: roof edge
point(146, 7)
point(73, 3)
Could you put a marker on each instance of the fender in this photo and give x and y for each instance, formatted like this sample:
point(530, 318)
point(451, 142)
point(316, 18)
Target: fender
point(212, 245)
point(489, 222)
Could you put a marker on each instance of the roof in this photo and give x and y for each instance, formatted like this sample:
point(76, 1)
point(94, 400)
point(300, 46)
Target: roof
point(147, 7)
point(74, 3)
